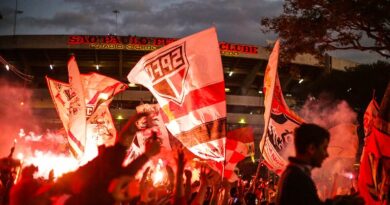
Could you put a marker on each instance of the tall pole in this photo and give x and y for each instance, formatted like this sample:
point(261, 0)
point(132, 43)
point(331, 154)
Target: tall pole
point(116, 12)
point(15, 13)
point(15, 16)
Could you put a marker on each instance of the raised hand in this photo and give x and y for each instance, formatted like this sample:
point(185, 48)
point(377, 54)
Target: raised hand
point(188, 174)
point(124, 188)
point(180, 160)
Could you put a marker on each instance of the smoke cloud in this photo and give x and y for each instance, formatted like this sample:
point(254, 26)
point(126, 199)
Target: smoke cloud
point(15, 113)
point(34, 144)
point(336, 176)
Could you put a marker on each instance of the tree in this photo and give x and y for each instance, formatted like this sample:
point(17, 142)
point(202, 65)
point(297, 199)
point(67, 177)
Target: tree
point(314, 27)
point(357, 85)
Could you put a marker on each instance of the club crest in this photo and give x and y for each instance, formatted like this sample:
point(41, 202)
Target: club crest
point(167, 71)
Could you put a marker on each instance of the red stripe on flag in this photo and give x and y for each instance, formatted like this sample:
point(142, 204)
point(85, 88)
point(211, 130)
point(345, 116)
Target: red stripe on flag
point(77, 142)
point(195, 100)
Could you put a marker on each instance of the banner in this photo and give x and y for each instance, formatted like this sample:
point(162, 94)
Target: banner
point(186, 78)
point(279, 121)
point(99, 91)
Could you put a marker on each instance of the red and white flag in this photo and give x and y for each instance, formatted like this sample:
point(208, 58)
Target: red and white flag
point(60, 93)
point(279, 121)
point(374, 172)
point(369, 116)
point(99, 91)
point(239, 144)
point(186, 78)
point(244, 135)
point(157, 126)
point(235, 152)
point(77, 109)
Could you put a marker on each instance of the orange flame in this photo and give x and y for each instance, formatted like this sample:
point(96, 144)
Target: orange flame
point(48, 161)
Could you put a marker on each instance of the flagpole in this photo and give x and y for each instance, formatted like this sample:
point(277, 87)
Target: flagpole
point(265, 135)
point(224, 151)
point(260, 161)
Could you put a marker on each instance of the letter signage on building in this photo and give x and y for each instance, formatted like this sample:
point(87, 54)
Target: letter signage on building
point(151, 44)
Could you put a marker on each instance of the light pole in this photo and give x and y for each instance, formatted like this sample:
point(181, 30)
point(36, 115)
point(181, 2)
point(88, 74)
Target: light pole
point(116, 12)
point(15, 15)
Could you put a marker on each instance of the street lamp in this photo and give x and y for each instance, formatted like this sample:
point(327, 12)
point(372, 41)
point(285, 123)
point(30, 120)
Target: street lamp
point(15, 15)
point(116, 12)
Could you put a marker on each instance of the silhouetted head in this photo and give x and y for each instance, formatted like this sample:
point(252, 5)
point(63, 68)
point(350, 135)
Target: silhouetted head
point(311, 141)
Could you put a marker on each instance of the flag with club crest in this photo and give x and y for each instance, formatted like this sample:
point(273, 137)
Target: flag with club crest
point(186, 78)
point(279, 121)
point(98, 91)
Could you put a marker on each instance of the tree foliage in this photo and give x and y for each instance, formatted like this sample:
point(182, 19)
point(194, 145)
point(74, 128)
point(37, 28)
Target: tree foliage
point(357, 85)
point(307, 26)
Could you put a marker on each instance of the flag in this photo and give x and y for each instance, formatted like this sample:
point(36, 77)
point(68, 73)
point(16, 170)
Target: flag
point(244, 135)
point(157, 126)
point(98, 91)
point(239, 144)
point(235, 152)
point(279, 121)
point(186, 78)
point(374, 172)
point(77, 109)
point(60, 93)
point(369, 116)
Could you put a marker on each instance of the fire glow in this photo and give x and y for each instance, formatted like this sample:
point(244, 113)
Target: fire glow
point(158, 174)
point(46, 151)
point(47, 161)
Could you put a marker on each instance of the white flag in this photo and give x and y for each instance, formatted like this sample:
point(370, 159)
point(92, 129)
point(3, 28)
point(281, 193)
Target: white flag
point(186, 78)
point(99, 91)
point(77, 110)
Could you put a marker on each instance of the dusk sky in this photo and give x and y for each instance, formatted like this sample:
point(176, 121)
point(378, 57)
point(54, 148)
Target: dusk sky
point(237, 21)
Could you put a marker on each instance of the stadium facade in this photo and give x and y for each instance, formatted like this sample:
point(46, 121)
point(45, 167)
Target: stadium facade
point(114, 56)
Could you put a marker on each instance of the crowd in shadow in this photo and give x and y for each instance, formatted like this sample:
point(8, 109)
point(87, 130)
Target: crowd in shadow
point(105, 180)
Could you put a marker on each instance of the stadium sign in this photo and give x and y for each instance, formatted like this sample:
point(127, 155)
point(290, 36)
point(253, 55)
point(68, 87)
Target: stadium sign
point(150, 44)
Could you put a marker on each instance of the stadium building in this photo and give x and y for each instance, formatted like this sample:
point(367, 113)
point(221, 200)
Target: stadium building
point(114, 56)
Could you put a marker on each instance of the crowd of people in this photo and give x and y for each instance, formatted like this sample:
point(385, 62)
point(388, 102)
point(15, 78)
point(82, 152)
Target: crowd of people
point(104, 180)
